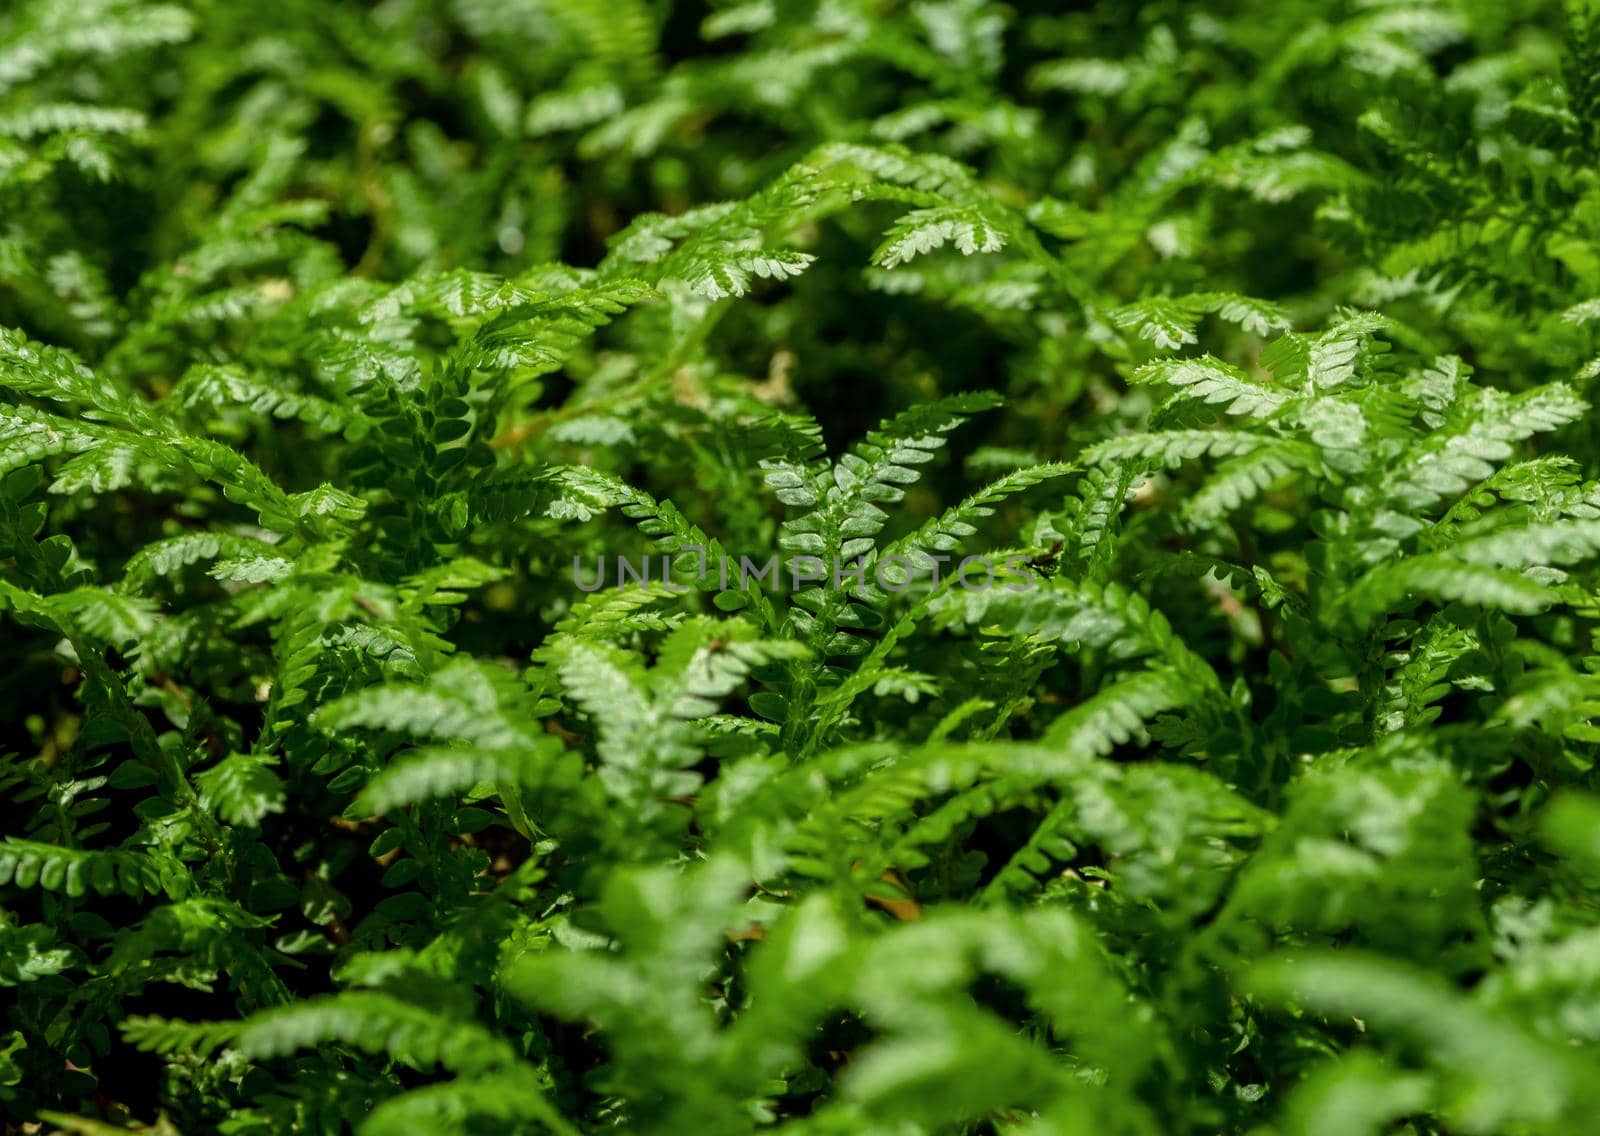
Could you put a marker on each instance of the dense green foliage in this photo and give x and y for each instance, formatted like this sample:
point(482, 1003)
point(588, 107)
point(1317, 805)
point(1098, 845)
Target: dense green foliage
point(1252, 342)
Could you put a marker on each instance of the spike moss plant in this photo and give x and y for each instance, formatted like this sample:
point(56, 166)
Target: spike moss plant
point(828, 566)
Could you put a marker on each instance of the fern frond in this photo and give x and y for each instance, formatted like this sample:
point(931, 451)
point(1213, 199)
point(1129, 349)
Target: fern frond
point(28, 864)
